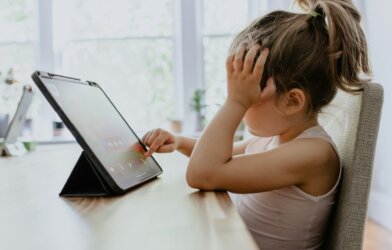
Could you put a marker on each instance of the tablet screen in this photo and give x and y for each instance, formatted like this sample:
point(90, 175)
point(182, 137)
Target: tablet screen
point(104, 130)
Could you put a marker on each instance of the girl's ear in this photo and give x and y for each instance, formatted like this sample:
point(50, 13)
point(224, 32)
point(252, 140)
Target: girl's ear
point(294, 101)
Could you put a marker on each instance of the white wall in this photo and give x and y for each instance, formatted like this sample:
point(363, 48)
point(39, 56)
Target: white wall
point(379, 34)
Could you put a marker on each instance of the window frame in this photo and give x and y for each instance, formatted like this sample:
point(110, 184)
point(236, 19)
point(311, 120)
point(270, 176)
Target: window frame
point(188, 50)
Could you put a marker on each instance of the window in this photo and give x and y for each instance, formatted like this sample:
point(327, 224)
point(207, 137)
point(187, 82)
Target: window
point(17, 40)
point(127, 48)
point(17, 49)
point(220, 25)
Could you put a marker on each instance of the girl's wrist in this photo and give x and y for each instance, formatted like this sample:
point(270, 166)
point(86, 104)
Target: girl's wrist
point(178, 142)
point(237, 105)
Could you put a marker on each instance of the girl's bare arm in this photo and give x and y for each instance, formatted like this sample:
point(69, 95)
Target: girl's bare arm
point(162, 141)
point(307, 163)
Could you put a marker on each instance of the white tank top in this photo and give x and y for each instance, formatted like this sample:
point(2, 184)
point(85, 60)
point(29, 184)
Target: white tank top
point(286, 218)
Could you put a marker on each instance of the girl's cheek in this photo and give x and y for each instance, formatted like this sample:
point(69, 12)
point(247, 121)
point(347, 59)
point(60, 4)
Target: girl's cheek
point(250, 120)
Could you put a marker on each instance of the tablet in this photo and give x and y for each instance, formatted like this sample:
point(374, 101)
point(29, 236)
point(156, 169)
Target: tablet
point(11, 146)
point(110, 143)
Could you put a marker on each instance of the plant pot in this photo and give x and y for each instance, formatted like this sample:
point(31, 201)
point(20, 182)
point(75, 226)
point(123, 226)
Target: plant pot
point(176, 126)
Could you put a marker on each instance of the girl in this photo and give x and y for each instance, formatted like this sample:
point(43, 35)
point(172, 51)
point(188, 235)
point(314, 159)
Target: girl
point(283, 181)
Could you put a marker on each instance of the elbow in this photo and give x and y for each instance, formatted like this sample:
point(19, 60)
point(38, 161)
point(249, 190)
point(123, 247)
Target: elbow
point(192, 182)
point(198, 179)
point(193, 178)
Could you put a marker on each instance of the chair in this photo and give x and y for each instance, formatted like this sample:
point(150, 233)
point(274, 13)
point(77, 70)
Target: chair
point(353, 122)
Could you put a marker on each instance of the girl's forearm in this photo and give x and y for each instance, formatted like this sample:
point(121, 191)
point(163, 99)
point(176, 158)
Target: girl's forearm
point(186, 145)
point(215, 147)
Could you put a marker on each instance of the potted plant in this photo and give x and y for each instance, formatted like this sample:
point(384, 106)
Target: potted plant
point(198, 105)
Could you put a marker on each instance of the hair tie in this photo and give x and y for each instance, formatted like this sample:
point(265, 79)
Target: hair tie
point(314, 13)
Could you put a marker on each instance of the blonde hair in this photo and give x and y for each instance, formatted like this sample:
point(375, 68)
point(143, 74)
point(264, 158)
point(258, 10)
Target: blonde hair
point(318, 52)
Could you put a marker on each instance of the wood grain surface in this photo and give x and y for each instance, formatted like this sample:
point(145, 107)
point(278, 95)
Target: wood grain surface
point(162, 214)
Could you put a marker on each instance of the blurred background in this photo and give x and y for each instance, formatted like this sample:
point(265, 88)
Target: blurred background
point(160, 61)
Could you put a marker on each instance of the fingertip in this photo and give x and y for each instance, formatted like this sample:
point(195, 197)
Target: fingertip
point(263, 56)
point(230, 59)
point(229, 63)
point(256, 45)
point(260, 63)
point(241, 49)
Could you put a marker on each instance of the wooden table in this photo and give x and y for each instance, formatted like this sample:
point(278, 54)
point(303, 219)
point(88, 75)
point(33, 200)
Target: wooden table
point(162, 214)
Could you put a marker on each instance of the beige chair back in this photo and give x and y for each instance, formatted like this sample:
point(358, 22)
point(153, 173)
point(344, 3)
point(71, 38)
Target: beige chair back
point(353, 122)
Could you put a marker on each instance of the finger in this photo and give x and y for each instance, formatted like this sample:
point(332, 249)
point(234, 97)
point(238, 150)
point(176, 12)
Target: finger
point(144, 139)
point(148, 136)
point(238, 59)
point(250, 58)
point(229, 64)
point(152, 137)
point(154, 147)
point(259, 66)
point(166, 148)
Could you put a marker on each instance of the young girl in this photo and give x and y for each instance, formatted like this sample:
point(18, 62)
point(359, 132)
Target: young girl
point(283, 181)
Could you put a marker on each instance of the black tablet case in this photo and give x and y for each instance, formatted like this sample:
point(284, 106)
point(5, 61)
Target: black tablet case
point(85, 181)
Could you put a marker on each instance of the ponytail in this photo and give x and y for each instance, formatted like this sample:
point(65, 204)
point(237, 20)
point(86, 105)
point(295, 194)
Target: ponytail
point(319, 52)
point(347, 47)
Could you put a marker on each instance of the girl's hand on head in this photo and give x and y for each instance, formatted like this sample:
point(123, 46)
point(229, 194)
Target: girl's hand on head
point(243, 79)
point(269, 89)
point(160, 141)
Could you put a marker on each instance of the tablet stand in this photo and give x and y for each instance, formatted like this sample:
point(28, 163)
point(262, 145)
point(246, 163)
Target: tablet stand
point(85, 181)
